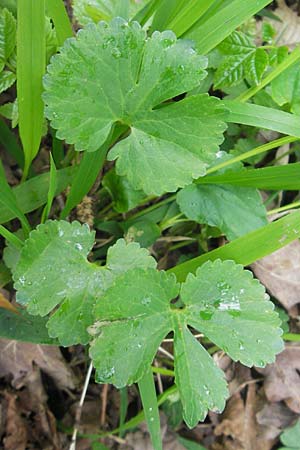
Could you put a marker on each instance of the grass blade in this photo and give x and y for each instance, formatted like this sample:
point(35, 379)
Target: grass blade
point(88, 171)
point(51, 191)
point(149, 400)
point(10, 237)
point(188, 14)
point(285, 177)
point(263, 117)
point(33, 193)
point(256, 151)
point(31, 63)
point(57, 11)
point(10, 143)
point(249, 248)
point(209, 34)
point(5, 275)
point(9, 201)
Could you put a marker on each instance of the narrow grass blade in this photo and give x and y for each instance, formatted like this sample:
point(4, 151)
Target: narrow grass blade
point(285, 177)
point(57, 11)
point(87, 173)
point(9, 201)
point(263, 117)
point(57, 150)
point(10, 237)
point(10, 143)
point(256, 151)
point(164, 13)
point(5, 275)
point(249, 248)
point(33, 193)
point(31, 63)
point(188, 14)
point(149, 400)
point(209, 34)
point(52, 190)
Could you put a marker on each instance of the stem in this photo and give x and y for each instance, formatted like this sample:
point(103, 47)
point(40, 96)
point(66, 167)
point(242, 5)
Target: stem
point(79, 408)
point(163, 371)
point(289, 61)
point(291, 337)
point(256, 151)
point(12, 238)
point(284, 208)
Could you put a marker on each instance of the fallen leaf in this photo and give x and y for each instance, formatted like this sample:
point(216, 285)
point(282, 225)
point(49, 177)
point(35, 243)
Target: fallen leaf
point(288, 29)
point(16, 433)
point(239, 428)
point(275, 417)
point(279, 272)
point(282, 381)
point(17, 358)
point(43, 429)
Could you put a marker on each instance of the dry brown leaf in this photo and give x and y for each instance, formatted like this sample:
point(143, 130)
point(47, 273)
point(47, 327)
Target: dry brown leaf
point(239, 427)
point(279, 272)
point(275, 417)
point(17, 358)
point(43, 429)
point(288, 30)
point(16, 432)
point(282, 381)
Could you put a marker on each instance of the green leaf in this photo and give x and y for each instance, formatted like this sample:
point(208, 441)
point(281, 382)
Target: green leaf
point(190, 445)
point(87, 11)
point(249, 248)
point(9, 200)
point(5, 276)
point(8, 30)
point(167, 146)
point(45, 280)
point(31, 62)
point(256, 65)
point(242, 60)
point(123, 195)
point(7, 79)
point(23, 327)
point(291, 436)
point(263, 117)
point(10, 143)
point(222, 301)
point(33, 193)
point(286, 88)
point(213, 205)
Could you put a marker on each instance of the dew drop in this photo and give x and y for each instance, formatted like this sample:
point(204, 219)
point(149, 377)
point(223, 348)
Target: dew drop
point(116, 53)
point(206, 390)
point(22, 280)
point(60, 233)
point(241, 346)
point(78, 247)
point(150, 409)
point(146, 301)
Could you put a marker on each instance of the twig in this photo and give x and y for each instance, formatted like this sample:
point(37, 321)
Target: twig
point(79, 408)
point(159, 382)
point(165, 352)
point(104, 404)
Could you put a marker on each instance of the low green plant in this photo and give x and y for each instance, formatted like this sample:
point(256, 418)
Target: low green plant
point(134, 92)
